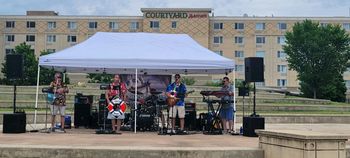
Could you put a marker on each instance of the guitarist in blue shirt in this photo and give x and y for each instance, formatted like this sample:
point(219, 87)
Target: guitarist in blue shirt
point(176, 93)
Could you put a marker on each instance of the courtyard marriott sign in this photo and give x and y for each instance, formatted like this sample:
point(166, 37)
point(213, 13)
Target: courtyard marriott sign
point(173, 15)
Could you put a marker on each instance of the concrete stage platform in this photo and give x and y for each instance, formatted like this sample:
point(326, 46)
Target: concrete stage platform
point(85, 143)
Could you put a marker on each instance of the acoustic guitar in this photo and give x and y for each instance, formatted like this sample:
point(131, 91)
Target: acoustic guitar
point(172, 100)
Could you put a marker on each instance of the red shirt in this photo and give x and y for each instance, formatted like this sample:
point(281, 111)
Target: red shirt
point(112, 92)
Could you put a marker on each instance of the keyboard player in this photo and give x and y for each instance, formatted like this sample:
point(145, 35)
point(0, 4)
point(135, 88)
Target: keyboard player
point(227, 110)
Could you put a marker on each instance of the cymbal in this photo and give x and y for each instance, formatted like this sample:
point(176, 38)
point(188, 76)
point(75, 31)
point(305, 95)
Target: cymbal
point(156, 92)
point(133, 92)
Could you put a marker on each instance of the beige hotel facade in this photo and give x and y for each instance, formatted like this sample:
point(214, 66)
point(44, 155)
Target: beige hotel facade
point(234, 37)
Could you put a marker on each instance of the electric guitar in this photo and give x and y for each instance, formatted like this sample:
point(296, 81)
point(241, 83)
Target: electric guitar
point(172, 100)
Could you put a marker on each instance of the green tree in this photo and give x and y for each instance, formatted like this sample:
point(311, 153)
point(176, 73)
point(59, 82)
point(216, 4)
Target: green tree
point(100, 78)
point(29, 66)
point(320, 55)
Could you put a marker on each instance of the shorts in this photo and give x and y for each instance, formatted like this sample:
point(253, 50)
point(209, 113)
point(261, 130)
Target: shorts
point(179, 109)
point(58, 108)
point(227, 113)
point(116, 116)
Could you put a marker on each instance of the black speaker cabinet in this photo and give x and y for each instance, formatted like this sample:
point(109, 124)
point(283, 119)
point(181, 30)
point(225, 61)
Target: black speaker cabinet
point(14, 123)
point(14, 65)
point(254, 69)
point(242, 91)
point(250, 124)
point(82, 115)
point(190, 120)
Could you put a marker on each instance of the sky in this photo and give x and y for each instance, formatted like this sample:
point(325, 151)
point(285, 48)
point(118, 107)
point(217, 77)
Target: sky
point(298, 8)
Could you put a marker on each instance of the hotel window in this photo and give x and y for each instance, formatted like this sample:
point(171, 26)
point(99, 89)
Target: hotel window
point(239, 40)
point(260, 39)
point(282, 26)
point(239, 26)
point(10, 24)
point(260, 26)
point(113, 25)
point(218, 39)
point(51, 50)
point(51, 25)
point(9, 51)
point(218, 26)
point(30, 38)
point(51, 38)
point(30, 24)
point(239, 68)
point(346, 26)
point(281, 55)
point(71, 38)
point(281, 40)
point(9, 38)
point(282, 68)
point(239, 54)
point(219, 52)
point(72, 25)
point(154, 24)
point(93, 25)
point(173, 24)
point(134, 25)
point(260, 54)
point(281, 82)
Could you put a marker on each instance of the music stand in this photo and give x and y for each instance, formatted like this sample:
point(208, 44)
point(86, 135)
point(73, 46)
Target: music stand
point(47, 91)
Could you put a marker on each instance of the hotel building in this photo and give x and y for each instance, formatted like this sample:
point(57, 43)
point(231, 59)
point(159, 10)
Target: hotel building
point(234, 37)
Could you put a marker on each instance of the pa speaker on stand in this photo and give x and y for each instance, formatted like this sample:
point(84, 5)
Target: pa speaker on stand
point(14, 66)
point(254, 72)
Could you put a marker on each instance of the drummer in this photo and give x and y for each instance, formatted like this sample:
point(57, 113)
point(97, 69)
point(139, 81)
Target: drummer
point(117, 88)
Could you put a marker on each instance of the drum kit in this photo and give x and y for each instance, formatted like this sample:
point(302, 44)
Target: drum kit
point(148, 111)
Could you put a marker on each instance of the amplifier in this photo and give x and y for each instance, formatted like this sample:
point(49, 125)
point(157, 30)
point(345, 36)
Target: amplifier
point(14, 123)
point(250, 124)
point(190, 107)
point(190, 120)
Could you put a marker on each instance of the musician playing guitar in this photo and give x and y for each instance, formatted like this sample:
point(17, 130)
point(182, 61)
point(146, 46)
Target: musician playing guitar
point(226, 111)
point(117, 88)
point(59, 101)
point(176, 93)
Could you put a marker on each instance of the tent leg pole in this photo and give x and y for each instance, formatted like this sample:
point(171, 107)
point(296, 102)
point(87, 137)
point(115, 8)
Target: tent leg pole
point(36, 95)
point(234, 101)
point(135, 100)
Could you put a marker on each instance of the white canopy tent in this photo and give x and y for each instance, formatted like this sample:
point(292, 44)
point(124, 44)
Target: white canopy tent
point(133, 53)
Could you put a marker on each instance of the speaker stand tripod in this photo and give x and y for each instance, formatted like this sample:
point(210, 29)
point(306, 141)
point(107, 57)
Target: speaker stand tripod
point(254, 103)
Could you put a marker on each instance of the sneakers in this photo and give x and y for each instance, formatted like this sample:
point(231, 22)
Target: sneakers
point(182, 132)
point(171, 131)
point(61, 130)
point(233, 133)
point(52, 130)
